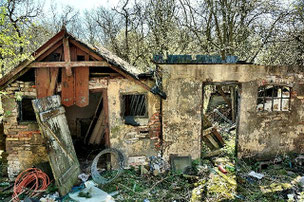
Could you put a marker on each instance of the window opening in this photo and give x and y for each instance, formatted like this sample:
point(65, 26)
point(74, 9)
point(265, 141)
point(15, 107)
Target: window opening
point(80, 58)
point(273, 98)
point(134, 105)
point(26, 111)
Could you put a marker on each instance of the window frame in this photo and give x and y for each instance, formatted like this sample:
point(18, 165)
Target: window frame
point(122, 107)
point(273, 98)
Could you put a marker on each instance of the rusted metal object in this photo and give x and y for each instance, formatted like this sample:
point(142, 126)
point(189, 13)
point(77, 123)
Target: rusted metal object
point(113, 167)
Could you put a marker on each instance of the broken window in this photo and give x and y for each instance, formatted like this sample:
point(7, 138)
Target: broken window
point(134, 105)
point(26, 111)
point(273, 98)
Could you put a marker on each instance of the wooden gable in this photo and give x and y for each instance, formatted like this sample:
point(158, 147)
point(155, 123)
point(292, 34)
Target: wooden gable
point(69, 60)
point(73, 61)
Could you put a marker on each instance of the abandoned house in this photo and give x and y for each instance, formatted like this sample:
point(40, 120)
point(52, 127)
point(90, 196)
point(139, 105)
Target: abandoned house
point(102, 101)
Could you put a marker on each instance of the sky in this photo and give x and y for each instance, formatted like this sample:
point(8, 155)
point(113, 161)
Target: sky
point(82, 4)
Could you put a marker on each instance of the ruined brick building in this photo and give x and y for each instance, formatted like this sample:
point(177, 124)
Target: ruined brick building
point(109, 103)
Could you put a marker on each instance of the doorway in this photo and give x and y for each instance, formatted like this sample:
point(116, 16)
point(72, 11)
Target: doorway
point(220, 118)
point(89, 125)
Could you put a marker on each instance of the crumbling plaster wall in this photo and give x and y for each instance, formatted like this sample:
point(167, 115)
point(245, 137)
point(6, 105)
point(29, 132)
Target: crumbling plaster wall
point(265, 134)
point(136, 142)
point(260, 133)
point(24, 143)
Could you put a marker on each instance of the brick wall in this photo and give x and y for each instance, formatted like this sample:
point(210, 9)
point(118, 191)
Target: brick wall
point(24, 143)
point(155, 129)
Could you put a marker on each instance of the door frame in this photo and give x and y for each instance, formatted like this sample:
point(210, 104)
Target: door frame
point(239, 93)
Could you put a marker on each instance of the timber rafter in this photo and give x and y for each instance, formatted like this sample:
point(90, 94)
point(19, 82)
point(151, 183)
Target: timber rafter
point(70, 64)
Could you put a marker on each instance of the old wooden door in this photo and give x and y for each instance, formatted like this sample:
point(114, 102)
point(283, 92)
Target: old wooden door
point(53, 125)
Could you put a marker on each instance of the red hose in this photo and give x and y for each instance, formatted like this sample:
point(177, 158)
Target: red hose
point(31, 181)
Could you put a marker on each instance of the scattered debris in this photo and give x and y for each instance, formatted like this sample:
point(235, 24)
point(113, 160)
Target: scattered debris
point(31, 182)
point(299, 160)
point(83, 177)
point(91, 194)
point(110, 171)
point(158, 165)
point(256, 175)
point(50, 197)
point(223, 170)
point(180, 163)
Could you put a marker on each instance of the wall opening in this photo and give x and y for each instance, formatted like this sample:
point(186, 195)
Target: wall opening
point(220, 118)
point(274, 98)
point(88, 126)
point(133, 106)
point(25, 110)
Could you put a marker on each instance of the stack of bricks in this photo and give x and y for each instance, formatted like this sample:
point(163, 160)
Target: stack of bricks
point(155, 129)
point(21, 87)
point(24, 143)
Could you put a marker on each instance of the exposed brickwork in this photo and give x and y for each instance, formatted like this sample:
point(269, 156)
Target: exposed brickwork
point(23, 139)
point(155, 129)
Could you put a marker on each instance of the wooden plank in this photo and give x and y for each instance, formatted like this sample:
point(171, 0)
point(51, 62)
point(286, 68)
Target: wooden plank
point(218, 137)
point(220, 90)
point(208, 143)
point(106, 113)
point(81, 86)
point(67, 89)
point(81, 82)
point(44, 116)
point(61, 152)
point(117, 69)
point(97, 129)
point(42, 79)
point(87, 50)
point(50, 43)
point(213, 142)
point(72, 64)
point(49, 51)
point(207, 131)
point(101, 134)
point(94, 120)
point(53, 80)
point(81, 52)
point(67, 56)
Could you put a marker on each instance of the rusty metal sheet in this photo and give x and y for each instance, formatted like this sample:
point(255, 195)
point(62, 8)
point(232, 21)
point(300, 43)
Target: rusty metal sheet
point(61, 153)
point(42, 82)
point(81, 86)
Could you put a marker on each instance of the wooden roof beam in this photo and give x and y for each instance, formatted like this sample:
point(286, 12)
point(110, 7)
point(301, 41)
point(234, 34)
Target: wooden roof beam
point(70, 64)
point(85, 49)
point(49, 51)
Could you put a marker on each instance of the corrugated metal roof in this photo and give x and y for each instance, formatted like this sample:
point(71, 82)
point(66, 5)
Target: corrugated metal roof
point(199, 59)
